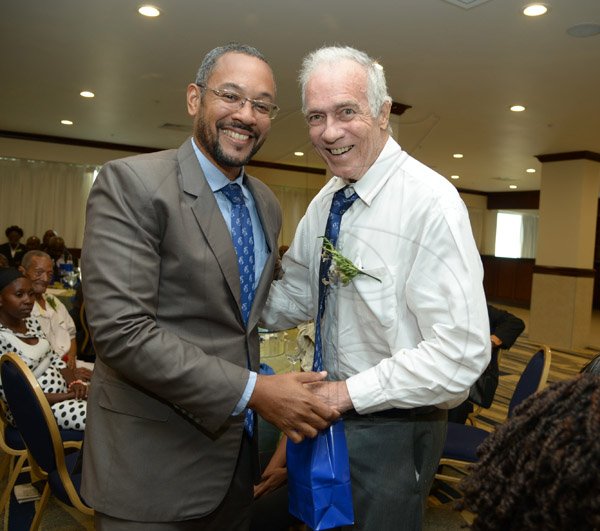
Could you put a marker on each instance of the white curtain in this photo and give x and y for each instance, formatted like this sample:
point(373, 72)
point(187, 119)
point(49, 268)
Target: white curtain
point(294, 202)
point(529, 231)
point(38, 196)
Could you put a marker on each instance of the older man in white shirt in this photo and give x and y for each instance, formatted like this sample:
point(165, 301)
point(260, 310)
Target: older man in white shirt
point(57, 325)
point(408, 341)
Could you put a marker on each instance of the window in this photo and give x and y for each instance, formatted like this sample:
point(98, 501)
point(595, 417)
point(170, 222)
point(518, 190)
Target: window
point(516, 235)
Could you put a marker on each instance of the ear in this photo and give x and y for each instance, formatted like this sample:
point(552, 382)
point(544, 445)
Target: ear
point(384, 115)
point(21, 269)
point(193, 99)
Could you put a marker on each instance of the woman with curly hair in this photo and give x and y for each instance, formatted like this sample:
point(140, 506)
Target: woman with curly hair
point(539, 470)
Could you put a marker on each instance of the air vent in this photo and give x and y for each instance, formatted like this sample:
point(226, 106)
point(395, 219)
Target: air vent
point(466, 4)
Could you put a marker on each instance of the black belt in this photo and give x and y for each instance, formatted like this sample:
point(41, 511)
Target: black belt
point(391, 413)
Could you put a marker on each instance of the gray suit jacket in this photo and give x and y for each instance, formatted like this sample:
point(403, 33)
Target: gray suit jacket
point(162, 296)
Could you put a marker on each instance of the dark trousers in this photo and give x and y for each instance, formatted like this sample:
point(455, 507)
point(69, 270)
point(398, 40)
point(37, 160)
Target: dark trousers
point(392, 465)
point(233, 514)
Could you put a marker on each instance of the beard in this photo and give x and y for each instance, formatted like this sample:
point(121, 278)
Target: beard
point(210, 142)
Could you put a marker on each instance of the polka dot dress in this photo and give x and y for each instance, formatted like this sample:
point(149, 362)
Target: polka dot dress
point(69, 414)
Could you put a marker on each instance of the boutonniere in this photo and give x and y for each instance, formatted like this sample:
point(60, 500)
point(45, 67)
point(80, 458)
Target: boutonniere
point(51, 301)
point(342, 269)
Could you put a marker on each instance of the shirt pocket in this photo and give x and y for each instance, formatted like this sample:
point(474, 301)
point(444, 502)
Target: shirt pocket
point(376, 299)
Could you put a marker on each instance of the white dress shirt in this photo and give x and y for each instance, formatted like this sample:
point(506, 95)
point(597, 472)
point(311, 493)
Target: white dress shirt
point(57, 325)
point(421, 335)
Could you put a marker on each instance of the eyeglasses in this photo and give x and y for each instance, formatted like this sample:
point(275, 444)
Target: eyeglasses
point(237, 101)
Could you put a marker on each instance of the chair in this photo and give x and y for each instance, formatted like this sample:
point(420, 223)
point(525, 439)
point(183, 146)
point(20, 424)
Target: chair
point(463, 440)
point(37, 425)
point(11, 444)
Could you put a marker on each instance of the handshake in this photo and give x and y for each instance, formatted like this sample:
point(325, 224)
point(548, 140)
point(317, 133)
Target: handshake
point(300, 404)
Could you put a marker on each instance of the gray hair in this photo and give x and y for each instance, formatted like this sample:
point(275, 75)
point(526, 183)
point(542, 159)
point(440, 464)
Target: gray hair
point(30, 255)
point(211, 58)
point(377, 93)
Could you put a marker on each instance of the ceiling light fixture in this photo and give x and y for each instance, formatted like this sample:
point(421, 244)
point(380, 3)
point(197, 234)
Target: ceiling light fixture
point(535, 10)
point(87, 94)
point(455, 177)
point(517, 108)
point(66, 122)
point(584, 30)
point(458, 155)
point(512, 186)
point(149, 11)
point(299, 153)
point(530, 170)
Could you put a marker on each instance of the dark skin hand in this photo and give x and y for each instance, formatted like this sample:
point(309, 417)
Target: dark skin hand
point(284, 401)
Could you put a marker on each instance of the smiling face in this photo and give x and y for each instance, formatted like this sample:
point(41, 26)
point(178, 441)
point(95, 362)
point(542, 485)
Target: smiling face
point(16, 301)
point(341, 127)
point(230, 135)
point(39, 273)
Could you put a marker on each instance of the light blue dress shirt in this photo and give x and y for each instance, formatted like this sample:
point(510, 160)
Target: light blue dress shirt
point(216, 180)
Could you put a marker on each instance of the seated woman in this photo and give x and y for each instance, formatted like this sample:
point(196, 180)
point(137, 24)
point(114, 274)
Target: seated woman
point(65, 389)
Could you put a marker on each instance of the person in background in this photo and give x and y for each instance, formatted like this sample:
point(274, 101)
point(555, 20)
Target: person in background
point(60, 255)
point(278, 273)
point(66, 389)
point(46, 238)
point(178, 256)
point(407, 339)
point(505, 328)
point(539, 469)
point(56, 323)
point(13, 249)
point(33, 243)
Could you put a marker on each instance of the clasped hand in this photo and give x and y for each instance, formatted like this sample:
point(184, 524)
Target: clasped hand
point(286, 401)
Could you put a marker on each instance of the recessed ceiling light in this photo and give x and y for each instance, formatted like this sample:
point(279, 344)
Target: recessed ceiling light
point(458, 155)
point(535, 10)
point(517, 108)
point(584, 30)
point(149, 11)
point(530, 170)
point(299, 153)
point(455, 177)
point(512, 186)
point(87, 94)
point(66, 122)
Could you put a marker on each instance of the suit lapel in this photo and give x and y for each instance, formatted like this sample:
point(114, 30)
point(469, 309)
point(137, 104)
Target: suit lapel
point(209, 217)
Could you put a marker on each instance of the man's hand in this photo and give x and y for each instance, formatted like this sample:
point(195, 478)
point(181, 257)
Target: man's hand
point(270, 481)
point(334, 394)
point(284, 401)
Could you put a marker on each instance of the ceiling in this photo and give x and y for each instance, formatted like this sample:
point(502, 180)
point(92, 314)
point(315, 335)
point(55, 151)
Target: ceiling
point(459, 64)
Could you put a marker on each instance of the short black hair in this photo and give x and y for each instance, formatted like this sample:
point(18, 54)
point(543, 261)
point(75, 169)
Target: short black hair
point(14, 228)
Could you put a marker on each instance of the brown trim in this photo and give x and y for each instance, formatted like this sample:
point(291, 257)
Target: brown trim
point(570, 155)
point(474, 192)
point(528, 200)
point(35, 137)
point(286, 167)
point(399, 108)
point(563, 271)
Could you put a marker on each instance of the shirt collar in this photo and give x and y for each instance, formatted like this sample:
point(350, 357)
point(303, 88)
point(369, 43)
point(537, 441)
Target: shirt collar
point(214, 176)
point(370, 184)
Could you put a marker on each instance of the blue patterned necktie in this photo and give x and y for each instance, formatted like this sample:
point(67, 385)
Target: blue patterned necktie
point(339, 205)
point(243, 243)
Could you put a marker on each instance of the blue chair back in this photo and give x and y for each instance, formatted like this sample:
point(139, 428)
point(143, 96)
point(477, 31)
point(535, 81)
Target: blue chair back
point(532, 379)
point(29, 415)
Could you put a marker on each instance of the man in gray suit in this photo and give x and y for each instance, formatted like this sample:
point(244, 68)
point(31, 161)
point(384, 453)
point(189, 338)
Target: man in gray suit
point(169, 444)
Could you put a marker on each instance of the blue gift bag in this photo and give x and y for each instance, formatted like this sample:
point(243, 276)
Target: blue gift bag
point(319, 479)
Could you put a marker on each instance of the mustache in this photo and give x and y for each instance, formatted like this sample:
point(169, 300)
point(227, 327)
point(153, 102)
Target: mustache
point(239, 125)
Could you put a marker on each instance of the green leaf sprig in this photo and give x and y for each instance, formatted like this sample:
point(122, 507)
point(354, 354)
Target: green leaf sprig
point(342, 268)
